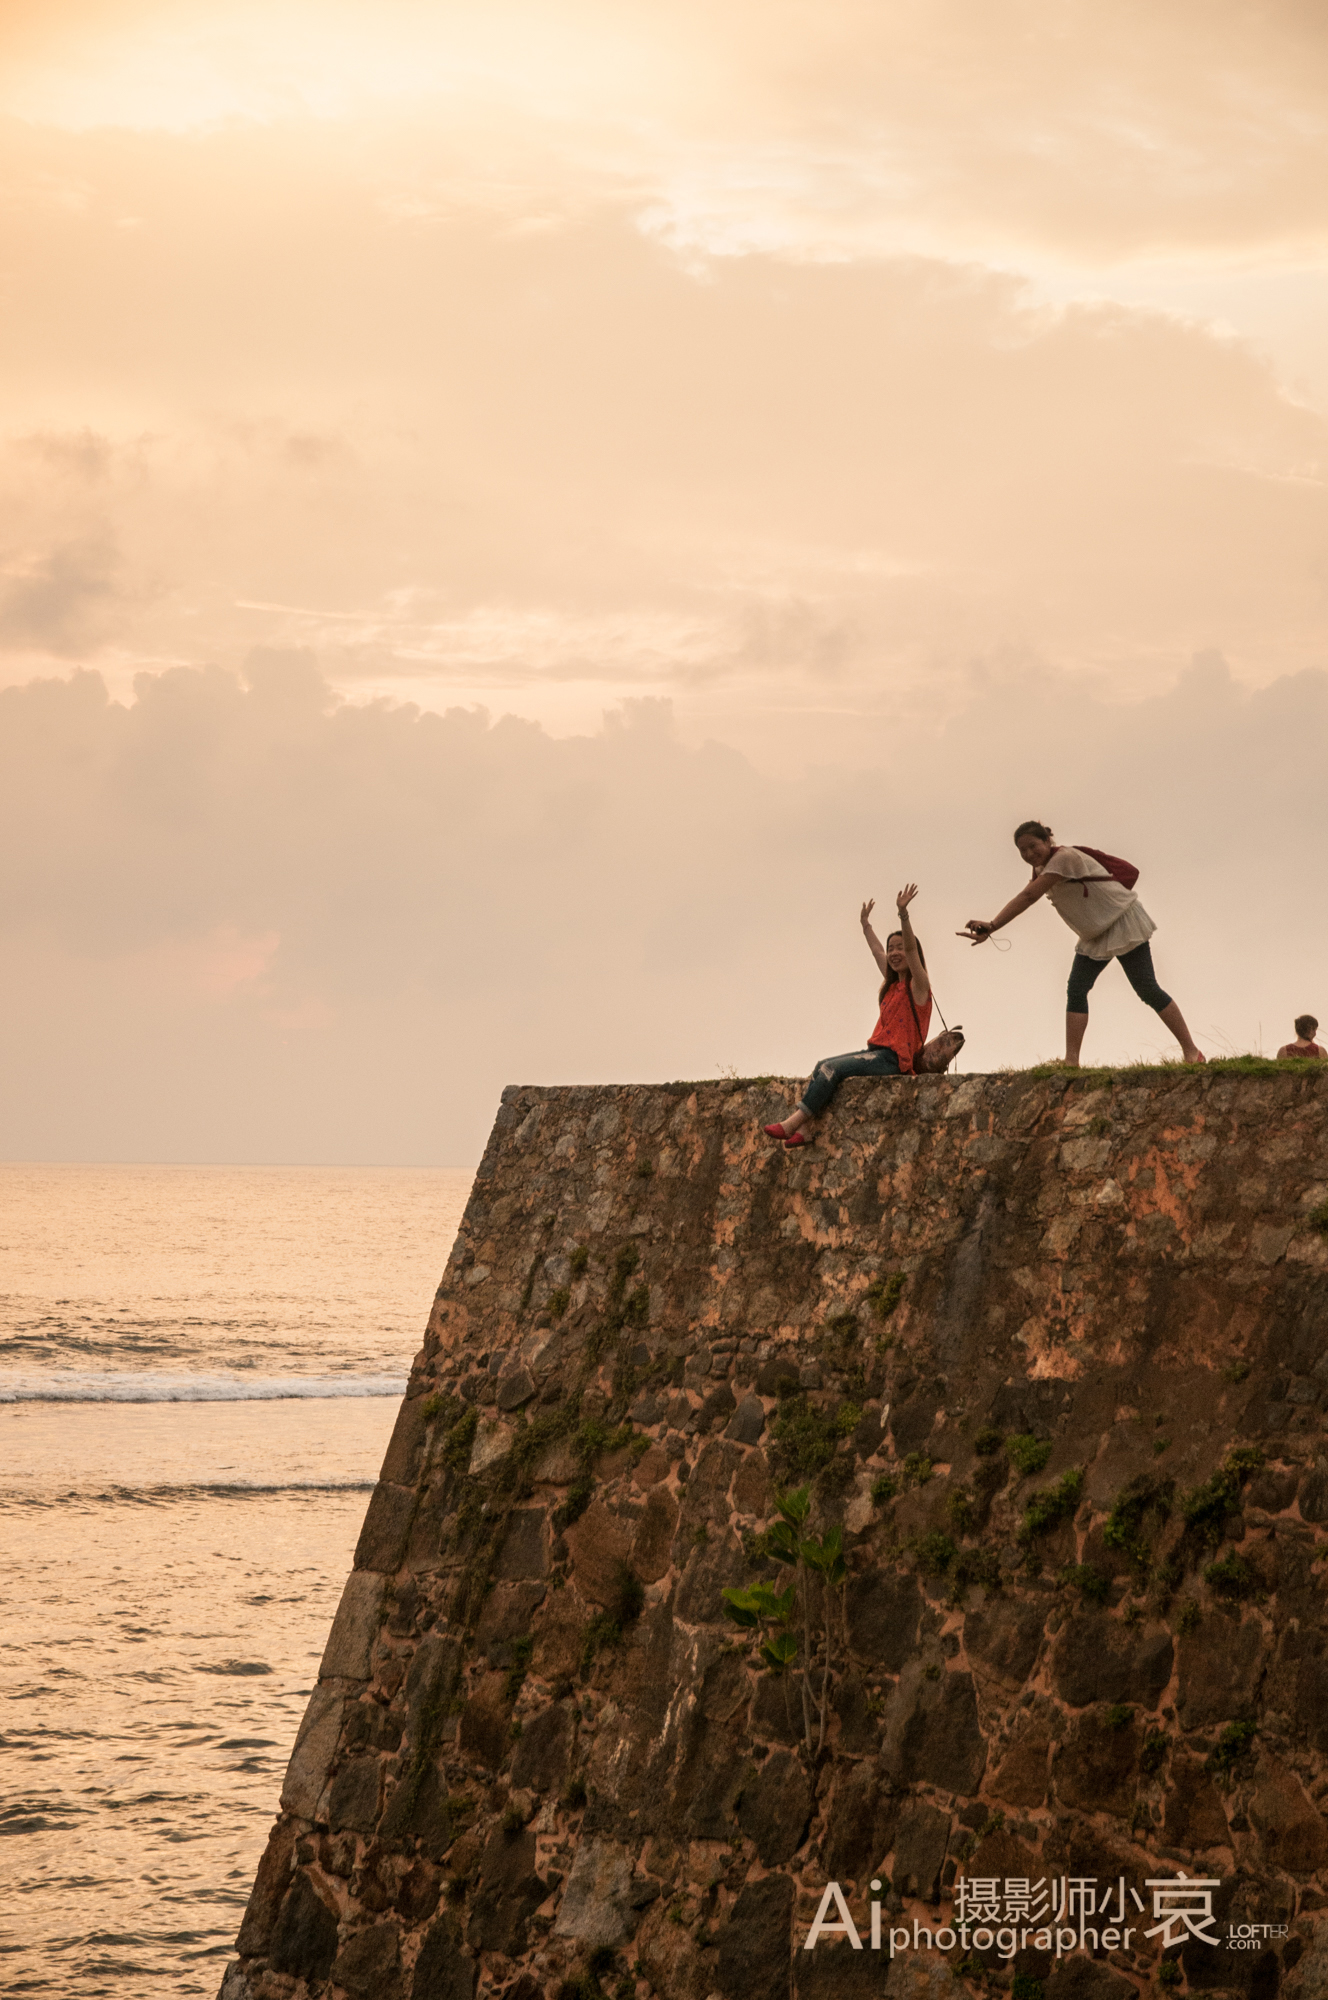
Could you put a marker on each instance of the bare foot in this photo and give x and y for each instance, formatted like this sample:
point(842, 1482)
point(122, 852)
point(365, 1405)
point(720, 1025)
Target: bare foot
point(1062, 1062)
point(1193, 1055)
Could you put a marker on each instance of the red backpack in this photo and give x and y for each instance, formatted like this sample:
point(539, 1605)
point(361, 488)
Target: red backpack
point(1120, 871)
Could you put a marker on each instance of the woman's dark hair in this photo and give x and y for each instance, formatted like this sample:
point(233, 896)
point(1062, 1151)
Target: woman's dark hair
point(892, 977)
point(1305, 1025)
point(1035, 827)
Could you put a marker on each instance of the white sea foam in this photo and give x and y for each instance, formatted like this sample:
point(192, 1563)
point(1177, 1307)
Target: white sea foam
point(131, 1385)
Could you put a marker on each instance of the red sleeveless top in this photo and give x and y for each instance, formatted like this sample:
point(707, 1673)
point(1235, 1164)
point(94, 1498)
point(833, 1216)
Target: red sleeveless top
point(902, 1026)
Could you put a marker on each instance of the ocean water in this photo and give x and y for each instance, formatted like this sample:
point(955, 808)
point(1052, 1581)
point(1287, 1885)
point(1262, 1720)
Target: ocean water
point(199, 1371)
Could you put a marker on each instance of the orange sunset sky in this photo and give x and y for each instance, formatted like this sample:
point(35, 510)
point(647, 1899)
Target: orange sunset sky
point(515, 518)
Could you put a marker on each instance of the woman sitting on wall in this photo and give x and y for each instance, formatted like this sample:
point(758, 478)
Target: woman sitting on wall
point(901, 1030)
point(1110, 921)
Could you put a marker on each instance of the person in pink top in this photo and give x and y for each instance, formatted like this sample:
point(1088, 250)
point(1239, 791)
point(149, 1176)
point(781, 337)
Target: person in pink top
point(1304, 1045)
point(900, 1031)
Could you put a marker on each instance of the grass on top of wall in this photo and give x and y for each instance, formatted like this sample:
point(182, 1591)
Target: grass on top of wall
point(1142, 1072)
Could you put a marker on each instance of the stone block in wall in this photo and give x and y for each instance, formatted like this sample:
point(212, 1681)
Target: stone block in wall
point(886, 1619)
point(386, 1530)
point(1219, 1663)
point(403, 1459)
point(1084, 1978)
point(1004, 1636)
point(596, 1909)
point(304, 1938)
point(315, 1747)
point(753, 1961)
point(832, 1970)
point(354, 1798)
point(652, 1543)
point(1094, 1767)
point(921, 1839)
point(368, 1966)
point(1292, 1833)
point(1097, 1658)
point(509, 1893)
point(747, 1422)
point(524, 1554)
point(1314, 1494)
point(774, 1807)
point(508, 1610)
point(348, 1654)
point(921, 1976)
point(600, 1543)
point(418, 1809)
point(443, 1970)
point(273, 1880)
point(515, 1389)
point(861, 1822)
point(1021, 1778)
point(544, 1749)
point(710, 1569)
point(932, 1732)
point(483, 1734)
point(1195, 1817)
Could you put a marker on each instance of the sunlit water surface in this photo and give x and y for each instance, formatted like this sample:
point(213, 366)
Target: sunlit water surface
point(199, 1370)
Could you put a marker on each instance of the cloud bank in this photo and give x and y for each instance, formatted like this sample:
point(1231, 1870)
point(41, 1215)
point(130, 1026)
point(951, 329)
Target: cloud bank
point(245, 920)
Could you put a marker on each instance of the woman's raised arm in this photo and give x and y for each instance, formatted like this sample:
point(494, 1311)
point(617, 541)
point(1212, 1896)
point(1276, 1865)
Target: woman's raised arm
point(919, 983)
point(874, 944)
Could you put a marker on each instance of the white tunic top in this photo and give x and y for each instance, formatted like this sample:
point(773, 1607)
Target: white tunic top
point(1108, 917)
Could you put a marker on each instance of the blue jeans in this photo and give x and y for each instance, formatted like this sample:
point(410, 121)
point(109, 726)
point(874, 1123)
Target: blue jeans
point(828, 1075)
point(1137, 965)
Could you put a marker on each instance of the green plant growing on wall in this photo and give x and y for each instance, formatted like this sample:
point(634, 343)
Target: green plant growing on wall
point(933, 1552)
point(1233, 1577)
point(1027, 1453)
point(1206, 1507)
point(1094, 1584)
point(885, 1293)
point(461, 1436)
point(1052, 1505)
point(806, 1439)
point(819, 1572)
point(1123, 1529)
point(1154, 1752)
point(1231, 1746)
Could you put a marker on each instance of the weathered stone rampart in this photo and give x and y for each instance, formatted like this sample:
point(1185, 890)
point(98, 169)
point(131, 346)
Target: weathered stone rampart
point(1051, 1353)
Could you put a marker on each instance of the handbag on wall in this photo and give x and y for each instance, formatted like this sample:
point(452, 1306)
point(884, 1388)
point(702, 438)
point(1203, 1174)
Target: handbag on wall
point(935, 1056)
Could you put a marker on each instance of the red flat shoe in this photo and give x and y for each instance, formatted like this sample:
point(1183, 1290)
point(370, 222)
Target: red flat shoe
point(775, 1132)
point(798, 1139)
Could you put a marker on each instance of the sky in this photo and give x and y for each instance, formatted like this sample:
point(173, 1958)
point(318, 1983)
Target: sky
point(514, 519)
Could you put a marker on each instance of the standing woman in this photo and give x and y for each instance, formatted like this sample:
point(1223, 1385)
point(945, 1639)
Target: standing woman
point(901, 1030)
point(1110, 921)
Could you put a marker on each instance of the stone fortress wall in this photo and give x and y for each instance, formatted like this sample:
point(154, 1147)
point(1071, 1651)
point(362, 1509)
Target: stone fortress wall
point(1053, 1353)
